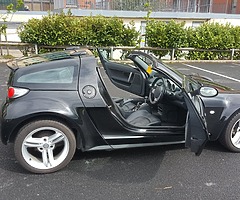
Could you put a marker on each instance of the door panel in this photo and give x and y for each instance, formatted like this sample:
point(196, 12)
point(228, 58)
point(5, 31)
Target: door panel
point(125, 77)
point(196, 132)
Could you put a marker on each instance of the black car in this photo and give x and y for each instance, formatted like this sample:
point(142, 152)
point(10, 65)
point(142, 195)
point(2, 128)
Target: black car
point(60, 101)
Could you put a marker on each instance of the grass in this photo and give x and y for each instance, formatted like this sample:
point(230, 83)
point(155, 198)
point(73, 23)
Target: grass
point(7, 57)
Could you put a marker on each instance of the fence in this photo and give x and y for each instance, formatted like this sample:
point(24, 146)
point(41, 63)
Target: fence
point(27, 48)
point(201, 6)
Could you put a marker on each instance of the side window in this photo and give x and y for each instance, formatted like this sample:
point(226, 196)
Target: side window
point(58, 75)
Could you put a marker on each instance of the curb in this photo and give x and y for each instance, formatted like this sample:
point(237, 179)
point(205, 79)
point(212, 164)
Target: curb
point(5, 60)
point(201, 61)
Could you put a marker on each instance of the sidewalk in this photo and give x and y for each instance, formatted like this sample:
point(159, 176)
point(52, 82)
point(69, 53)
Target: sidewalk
point(13, 52)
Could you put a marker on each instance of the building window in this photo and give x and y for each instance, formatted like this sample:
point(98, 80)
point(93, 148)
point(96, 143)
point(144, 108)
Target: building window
point(197, 23)
point(71, 3)
point(38, 5)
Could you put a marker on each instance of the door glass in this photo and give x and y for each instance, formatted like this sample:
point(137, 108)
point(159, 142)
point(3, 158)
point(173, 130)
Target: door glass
point(191, 87)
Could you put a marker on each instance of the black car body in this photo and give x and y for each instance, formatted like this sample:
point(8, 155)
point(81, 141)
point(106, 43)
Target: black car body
point(58, 102)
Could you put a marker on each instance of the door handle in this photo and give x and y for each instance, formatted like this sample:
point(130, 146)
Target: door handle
point(130, 76)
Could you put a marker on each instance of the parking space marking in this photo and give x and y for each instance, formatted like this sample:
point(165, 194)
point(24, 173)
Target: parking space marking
point(237, 64)
point(211, 72)
point(183, 69)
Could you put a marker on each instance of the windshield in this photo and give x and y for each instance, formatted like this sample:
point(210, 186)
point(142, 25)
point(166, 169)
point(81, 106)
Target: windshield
point(155, 69)
point(186, 81)
point(178, 76)
point(144, 62)
point(151, 65)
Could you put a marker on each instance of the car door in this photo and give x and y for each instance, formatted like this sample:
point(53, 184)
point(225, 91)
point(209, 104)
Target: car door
point(196, 133)
point(124, 76)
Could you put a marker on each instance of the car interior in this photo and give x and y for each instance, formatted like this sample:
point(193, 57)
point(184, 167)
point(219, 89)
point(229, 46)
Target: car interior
point(142, 96)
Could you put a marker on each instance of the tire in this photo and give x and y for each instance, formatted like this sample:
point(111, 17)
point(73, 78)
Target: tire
point(44, 146)
point(231, 136)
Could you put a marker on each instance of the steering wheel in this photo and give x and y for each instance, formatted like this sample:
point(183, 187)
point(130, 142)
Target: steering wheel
point(157, 92)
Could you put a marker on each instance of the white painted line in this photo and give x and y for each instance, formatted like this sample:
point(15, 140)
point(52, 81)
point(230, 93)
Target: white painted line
point(183, 69)
point(215, 73)
point(236, 64)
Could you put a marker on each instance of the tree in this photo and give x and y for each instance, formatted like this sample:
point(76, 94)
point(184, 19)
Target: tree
point(6, 17)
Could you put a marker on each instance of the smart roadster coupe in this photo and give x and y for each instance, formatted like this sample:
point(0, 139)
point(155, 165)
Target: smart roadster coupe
point(59, 102)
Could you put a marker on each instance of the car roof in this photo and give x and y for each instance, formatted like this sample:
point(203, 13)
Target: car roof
point(48, 57)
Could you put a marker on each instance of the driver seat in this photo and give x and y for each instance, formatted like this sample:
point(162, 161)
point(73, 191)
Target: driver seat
point(143, 118)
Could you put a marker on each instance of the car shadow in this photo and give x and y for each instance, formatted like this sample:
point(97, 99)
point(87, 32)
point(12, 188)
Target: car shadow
point(216, 146)
point(129, 165)
point(122, 166)
point(8, 160)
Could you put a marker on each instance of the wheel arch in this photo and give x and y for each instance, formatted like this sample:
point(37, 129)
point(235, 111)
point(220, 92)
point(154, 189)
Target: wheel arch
point(226, 138)
point(227, 122)
point(55, 117)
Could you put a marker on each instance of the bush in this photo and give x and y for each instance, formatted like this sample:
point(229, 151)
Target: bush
point(207, 36)
point(235, 32)
point(211, 36)
point(65, 29)
point(166, 35)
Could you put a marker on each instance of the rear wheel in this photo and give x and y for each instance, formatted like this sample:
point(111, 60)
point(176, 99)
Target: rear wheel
point(44, 146)
point(231, 137)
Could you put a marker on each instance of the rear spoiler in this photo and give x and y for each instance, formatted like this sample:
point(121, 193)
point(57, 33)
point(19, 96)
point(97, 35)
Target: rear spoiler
point(12, 65)
point(26, 61)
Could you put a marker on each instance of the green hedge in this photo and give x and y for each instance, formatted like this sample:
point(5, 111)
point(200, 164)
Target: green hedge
point(166, 35)
point(211, 36)
point(207, 36)
point(64, 29)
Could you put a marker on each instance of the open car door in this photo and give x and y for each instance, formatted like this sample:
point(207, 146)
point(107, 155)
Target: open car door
point(123, 76)
point(196, 133)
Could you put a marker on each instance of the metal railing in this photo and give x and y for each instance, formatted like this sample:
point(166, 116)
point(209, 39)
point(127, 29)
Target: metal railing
point(203, 6)
point(27, 49)
point(23, 47)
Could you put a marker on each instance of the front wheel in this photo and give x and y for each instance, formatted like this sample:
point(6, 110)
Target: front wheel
point(44, 146)
point(231, 137)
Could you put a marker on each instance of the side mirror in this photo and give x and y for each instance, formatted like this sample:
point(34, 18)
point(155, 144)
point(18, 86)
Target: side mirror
point(208, 91)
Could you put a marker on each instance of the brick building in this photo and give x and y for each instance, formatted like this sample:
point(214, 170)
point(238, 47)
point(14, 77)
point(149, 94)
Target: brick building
point(39, 5)
point(226, 6)
point(198, 6)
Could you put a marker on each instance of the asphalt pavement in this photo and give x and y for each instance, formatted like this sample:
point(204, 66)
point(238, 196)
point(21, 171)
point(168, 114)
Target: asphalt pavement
point(226, 73)
point(165, 172)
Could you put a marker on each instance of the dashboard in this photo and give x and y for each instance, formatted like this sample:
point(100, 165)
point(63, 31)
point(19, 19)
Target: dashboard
point(172, 92)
